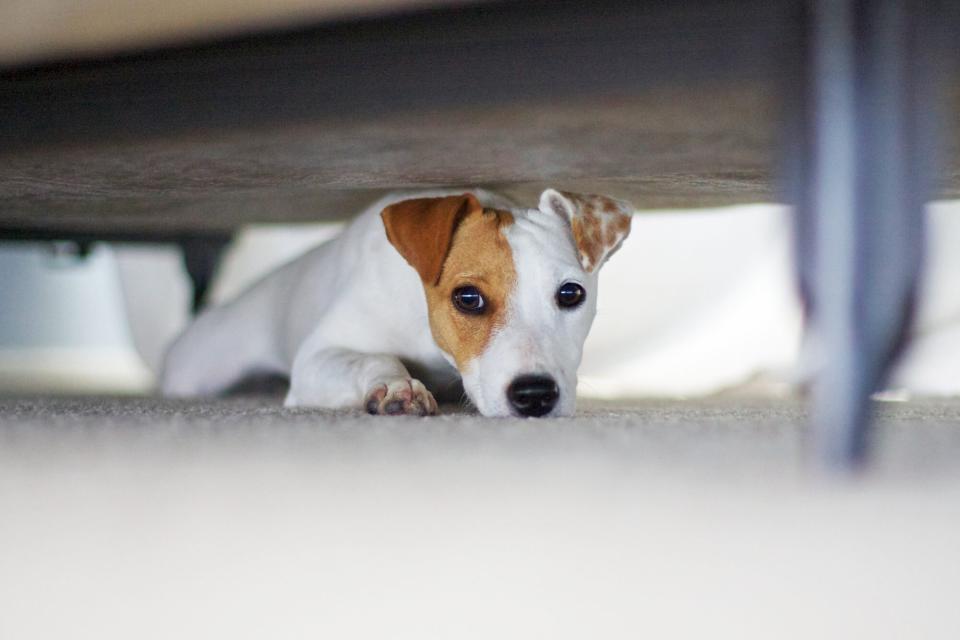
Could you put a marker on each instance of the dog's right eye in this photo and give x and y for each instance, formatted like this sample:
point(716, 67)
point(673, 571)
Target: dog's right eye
point(469, 300)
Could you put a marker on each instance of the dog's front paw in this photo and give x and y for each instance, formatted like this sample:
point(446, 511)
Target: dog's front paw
point(399, 397)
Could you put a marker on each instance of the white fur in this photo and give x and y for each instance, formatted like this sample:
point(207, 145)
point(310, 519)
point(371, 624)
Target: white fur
point(538, 337)
point(351, 316)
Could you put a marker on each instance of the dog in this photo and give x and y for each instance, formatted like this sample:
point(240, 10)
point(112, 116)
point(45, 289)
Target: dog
point(421, 291)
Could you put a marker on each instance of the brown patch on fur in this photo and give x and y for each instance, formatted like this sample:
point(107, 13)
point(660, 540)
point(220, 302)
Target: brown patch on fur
point(587, 235)
point(599, 226)
point(421, 229)
point(622, 223)
point(479, 256)
point(609, 235)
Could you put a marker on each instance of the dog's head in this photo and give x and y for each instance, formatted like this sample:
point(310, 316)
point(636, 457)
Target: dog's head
point(511, 294)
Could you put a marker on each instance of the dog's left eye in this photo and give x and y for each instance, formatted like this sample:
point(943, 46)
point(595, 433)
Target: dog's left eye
point(570, 295)
point(469, 300)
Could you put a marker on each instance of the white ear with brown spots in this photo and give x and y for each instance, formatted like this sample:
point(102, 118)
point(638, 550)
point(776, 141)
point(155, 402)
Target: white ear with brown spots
point(599, 224)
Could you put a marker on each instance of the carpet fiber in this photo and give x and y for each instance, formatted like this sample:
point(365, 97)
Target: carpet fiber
point(138, 517)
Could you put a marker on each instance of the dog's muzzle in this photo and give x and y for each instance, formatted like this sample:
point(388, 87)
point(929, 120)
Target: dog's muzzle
point(533, 395)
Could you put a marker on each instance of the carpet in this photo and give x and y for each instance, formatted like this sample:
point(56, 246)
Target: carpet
point(148, 518)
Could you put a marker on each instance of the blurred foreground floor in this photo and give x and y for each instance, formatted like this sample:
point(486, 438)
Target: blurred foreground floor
point(144, 518)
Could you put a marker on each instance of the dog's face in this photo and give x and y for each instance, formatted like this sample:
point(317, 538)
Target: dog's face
point(511, 294)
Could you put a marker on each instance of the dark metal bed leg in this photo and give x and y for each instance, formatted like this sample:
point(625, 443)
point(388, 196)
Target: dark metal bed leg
point(201, 256)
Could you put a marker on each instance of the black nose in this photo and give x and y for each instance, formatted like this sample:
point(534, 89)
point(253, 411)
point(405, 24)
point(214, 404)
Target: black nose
point(533, 395)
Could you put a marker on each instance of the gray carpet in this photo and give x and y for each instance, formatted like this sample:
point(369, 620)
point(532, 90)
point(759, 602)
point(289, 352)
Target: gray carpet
point(733, 437)
point(137, 517)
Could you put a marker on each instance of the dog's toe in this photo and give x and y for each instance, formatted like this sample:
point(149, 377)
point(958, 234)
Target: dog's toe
point(394, 408)
point(401, 397)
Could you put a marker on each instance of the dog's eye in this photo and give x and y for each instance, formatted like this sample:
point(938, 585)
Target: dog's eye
point(570, 295)
point(469, 300)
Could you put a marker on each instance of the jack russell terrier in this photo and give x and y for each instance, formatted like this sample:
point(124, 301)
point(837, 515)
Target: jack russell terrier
point(420, 292)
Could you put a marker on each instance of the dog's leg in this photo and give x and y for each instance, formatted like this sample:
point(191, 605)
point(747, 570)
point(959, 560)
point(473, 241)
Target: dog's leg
point(337, 377)
point(222, 347)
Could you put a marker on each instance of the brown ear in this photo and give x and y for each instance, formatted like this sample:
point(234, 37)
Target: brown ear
point(422, 229)
point(599, 224)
